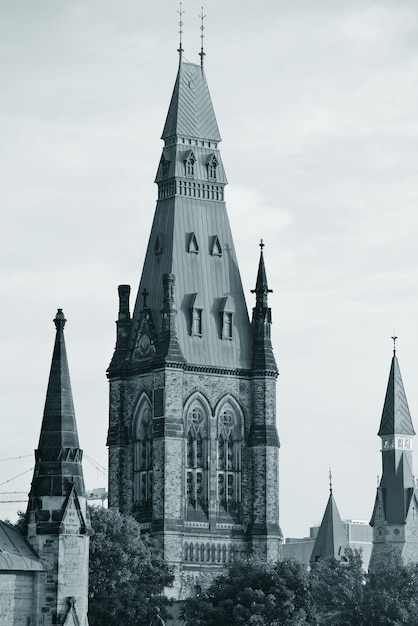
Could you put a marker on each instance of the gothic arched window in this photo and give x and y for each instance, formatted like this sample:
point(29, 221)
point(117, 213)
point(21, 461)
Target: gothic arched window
point(189, 164)
point(143, 458)
point(196, 460)
point(229, 460)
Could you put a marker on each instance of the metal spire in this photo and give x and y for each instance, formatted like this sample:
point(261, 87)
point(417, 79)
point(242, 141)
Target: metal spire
point(202, 36)
point(330, 482)
point(394, 343)
point(181, 13)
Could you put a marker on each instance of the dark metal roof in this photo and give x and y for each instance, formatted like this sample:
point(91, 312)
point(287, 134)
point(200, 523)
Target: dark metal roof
point(16, 555)
point(191, 113)
point(332, 538)
point(396, 418)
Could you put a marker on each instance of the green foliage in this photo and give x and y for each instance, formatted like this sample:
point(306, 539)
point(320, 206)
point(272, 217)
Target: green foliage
point(256, 594)
point(332, 593)
point(127, 573)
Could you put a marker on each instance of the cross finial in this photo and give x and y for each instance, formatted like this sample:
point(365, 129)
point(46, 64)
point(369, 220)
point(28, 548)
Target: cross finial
point(202, 36)
point(262, 244)
point(394, 343)
point(181, 13)
point(330, 482)
point(144, 294)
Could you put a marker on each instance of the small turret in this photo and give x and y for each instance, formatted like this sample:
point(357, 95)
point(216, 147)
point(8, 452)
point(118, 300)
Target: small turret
point(57, 524)
point(263, 357)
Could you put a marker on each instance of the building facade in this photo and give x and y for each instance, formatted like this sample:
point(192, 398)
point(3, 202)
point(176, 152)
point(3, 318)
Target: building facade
point(193, 443)
point(395, 520)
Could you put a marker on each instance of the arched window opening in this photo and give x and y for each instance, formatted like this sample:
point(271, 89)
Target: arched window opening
point(196, 463)
point(229, 463)
point(143, 461)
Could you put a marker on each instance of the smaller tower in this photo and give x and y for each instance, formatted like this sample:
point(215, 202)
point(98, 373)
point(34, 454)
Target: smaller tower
point(395, 514)
point(57, 525)
point(331, 540)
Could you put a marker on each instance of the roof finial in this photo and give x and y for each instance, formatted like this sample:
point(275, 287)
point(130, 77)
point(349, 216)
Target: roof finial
point(202, 36)
point(262, 244)
point(394, 343)
point(181, 13)
point(330, 482)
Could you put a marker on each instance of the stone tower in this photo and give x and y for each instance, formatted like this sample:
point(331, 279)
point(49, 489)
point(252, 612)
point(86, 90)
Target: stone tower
point(193, 444)
point(395, 513)
point(56, 522)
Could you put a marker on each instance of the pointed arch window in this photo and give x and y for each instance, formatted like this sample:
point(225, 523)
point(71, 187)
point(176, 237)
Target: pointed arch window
point(212, 166)
point(143, 458)
point(165, 165)
point(197, 461)
point(229, 461)
point(189, 164)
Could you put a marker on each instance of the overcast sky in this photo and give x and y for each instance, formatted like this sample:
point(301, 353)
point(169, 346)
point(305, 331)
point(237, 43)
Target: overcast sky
point(317, 107)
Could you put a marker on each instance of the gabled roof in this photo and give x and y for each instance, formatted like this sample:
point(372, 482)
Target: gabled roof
point(16, 555)
point(332, 538)
point(191, 111)
point(396, 418)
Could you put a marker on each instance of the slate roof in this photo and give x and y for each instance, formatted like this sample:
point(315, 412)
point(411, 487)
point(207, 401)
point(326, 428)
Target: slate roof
point(16, 555)
point(191, 113)
point(332, 538)
point(396, 418)
point(58, 458)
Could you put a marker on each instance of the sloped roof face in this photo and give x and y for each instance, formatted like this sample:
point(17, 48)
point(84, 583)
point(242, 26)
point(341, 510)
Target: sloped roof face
point(15, 553)
point(331, 539)
point(191, 113)
point(396, 418)
point(211, 277)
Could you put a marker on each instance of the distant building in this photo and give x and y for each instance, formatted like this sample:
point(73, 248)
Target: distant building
point(193, 444)
point(331, 539)
point(44, 574)
point(395, 513)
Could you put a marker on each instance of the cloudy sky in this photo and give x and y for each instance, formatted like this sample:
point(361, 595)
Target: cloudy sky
point(317, 107)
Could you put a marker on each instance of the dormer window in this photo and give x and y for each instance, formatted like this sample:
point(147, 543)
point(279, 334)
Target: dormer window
point(212, 167)
point(189, 164)
point(196, 310)
point(227, 318)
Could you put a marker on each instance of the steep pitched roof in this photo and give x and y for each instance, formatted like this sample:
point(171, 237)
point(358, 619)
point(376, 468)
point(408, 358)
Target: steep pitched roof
point(58, 468)
point(191, 113)
point(396, 418)
point(331, 539)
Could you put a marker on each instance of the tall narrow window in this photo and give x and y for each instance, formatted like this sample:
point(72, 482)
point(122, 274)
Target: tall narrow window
point(227, 318)
point(212, 166)
point(196, 463)
point(229, 462)
point(143, 460)
point(189, 163)
point(196, 312)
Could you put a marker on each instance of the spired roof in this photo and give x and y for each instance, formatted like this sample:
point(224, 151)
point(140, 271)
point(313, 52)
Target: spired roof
point(396, 418)
point(189, 217)
point(58, 457)
point(191, 111)
point(331, 540)
point(59, 425)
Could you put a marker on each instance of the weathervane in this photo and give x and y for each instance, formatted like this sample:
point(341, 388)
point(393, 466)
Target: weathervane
point(394, 343)
point(181, 13)
point(330, 482)
point(262, 244)
point(202, 36)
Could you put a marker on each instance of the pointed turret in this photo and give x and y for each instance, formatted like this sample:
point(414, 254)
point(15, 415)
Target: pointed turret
point(58, 457)
point(57, 523)
point(331, 540)
point(263, 357)
point(396, 498)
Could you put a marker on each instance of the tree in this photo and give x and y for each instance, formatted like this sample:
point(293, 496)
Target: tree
point(337, 589)
point(127, 573)
point(254, 593)
point(392, 590)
